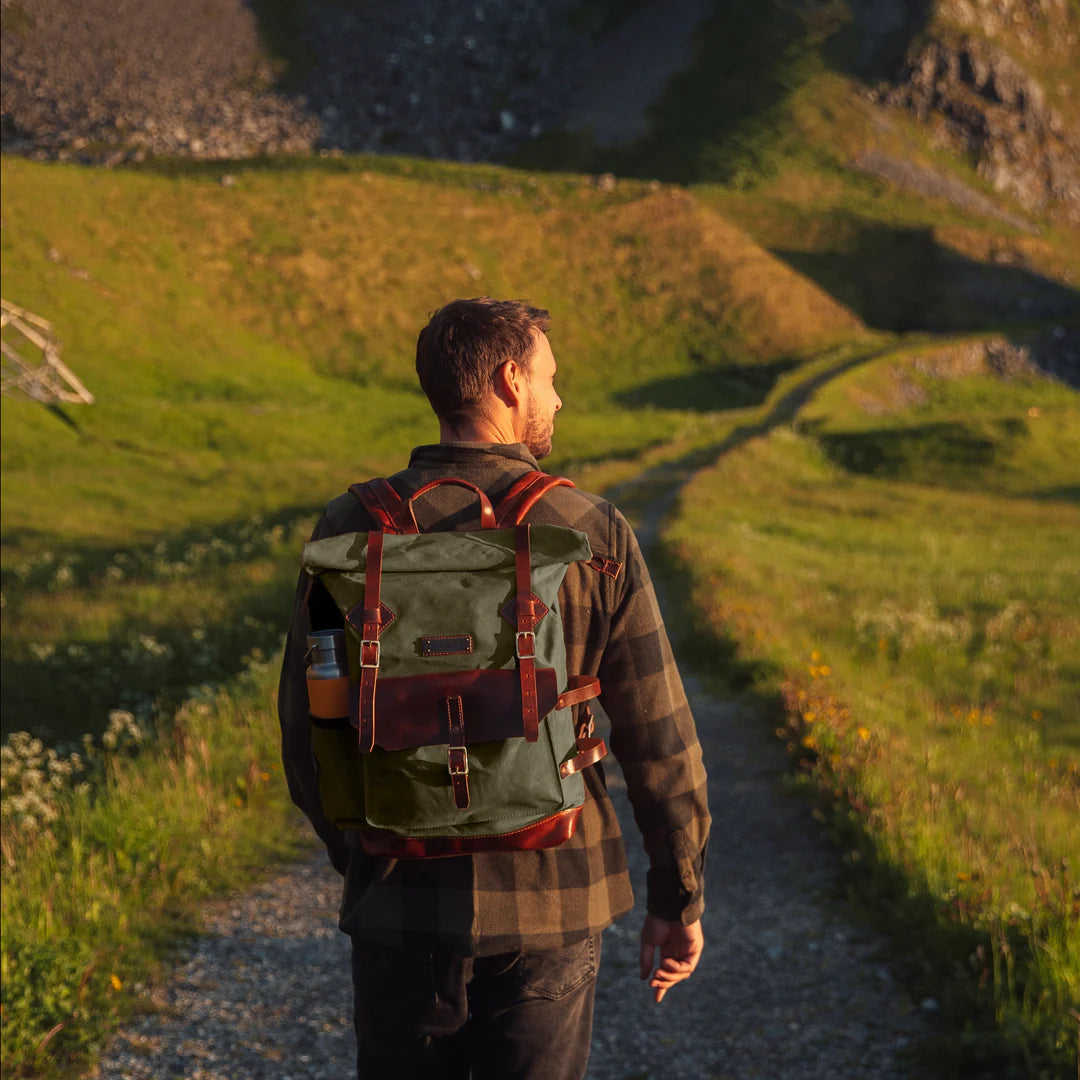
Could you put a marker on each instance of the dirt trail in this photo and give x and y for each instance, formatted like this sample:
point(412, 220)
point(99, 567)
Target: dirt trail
point(787, 987)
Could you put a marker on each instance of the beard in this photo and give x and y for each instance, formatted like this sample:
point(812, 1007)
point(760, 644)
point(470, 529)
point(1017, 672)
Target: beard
point(538, 431)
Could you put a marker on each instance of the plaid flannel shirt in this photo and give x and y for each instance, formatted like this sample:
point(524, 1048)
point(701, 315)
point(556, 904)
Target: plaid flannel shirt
point(500, 902)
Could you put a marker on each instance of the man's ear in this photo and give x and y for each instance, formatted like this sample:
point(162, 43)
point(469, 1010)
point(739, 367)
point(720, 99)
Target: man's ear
point(510, 385)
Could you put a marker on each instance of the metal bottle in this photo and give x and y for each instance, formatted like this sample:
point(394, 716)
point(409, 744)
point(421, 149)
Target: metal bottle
point(327, 674)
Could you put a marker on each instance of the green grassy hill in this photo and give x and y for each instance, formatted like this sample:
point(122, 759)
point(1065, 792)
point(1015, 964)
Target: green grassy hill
point(876, 541)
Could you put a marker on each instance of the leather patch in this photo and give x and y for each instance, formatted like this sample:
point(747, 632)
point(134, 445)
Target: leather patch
point(386, 617)
point(605, 566)
point(509, 611)
point(446, 645)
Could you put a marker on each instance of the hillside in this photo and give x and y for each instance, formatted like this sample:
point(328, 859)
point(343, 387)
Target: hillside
point(819, 324)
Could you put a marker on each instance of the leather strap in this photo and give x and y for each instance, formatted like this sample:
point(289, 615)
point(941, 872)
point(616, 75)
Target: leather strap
point(579, 688)
point(369, 642)
point(523, 496)
point(590, 751)
point(382, 502)
point(487, 515)
point(457, 757)
point(525, 639)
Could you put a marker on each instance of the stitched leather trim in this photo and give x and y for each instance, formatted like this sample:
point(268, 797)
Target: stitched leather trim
point(548, 832)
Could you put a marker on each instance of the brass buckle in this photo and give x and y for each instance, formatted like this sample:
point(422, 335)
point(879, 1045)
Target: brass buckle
point(518, 642)
point(378, 652)
point(457, 760)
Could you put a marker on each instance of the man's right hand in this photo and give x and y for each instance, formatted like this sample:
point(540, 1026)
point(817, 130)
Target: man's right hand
point(680, 950)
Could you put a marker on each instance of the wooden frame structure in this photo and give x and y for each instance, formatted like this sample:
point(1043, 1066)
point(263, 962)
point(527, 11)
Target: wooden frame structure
point(49, 380)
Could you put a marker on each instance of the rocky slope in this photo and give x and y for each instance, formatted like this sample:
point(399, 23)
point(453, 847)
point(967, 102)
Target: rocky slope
point(971, 78)
point(105, 81)
point(115, 80)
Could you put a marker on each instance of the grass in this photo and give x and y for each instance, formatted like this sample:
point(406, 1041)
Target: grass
point(105, 857)
point(917, 615)
point(250, 349)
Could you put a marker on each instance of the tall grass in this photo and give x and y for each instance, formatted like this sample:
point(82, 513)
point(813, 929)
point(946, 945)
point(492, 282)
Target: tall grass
point(107, 851)
point(923, 643)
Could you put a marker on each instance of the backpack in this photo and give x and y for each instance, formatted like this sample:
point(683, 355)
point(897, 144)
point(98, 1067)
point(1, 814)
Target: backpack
point(452, 731)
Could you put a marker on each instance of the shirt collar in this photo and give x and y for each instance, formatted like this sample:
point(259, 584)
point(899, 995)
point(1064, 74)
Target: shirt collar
point(473, 453)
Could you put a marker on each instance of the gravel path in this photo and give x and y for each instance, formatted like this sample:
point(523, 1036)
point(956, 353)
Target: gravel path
point(787, 988)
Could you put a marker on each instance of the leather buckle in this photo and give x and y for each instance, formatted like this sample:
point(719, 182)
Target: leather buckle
point(457, 758)
point(519, 644)
point(373, 642)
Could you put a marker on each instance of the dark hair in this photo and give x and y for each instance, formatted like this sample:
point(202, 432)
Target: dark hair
point(465, 343)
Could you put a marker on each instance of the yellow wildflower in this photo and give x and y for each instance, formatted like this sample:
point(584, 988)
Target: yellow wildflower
point(116, 983)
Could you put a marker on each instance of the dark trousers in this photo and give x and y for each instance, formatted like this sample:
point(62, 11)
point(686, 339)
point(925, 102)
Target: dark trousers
point(440, 1016)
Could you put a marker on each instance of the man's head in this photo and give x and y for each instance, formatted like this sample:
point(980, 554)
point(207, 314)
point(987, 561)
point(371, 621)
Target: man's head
point(488, 370)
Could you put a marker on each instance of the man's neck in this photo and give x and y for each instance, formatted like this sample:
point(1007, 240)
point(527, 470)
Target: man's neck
point(478, 429)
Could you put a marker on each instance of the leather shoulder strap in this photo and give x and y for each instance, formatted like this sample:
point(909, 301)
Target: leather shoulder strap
point(523, 496)
point(388, 509)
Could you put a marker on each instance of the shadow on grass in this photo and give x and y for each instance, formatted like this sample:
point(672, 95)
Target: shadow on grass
point(924, 451)
point(60, 694)
point(903, 279)
point(67, 687)
point(713, 389)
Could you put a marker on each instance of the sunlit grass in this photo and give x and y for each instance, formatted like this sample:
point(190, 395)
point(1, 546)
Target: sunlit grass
point(925, 641)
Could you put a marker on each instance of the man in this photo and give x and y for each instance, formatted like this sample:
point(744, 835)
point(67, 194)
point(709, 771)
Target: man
point(488, 962)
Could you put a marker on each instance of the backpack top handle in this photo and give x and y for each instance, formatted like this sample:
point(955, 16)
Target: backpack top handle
point(393, 514)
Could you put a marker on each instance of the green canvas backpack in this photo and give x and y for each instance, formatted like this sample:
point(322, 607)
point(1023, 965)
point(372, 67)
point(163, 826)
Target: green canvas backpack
point(452, 731)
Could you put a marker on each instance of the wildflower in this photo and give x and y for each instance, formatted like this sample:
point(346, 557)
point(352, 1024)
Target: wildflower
point(115, 981)
point(863, 733)
point(815, 656)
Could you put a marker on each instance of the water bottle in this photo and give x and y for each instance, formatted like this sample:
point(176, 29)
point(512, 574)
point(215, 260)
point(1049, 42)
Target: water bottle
point(327, 675)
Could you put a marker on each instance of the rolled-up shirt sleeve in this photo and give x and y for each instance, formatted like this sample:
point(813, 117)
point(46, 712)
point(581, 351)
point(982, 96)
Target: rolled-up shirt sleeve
point(654, 738)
